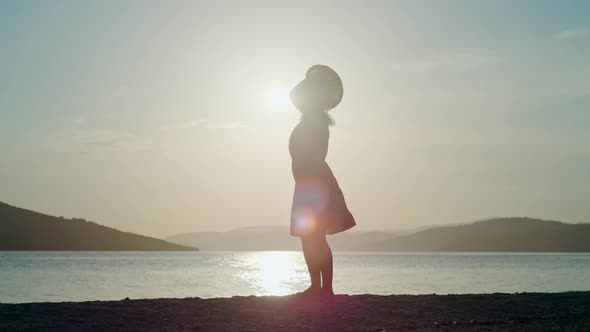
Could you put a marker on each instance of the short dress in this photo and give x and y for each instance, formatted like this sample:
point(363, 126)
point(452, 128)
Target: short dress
point(318, 203)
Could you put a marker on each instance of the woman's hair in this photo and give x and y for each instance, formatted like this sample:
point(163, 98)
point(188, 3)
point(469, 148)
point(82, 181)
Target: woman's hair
point(322, 116)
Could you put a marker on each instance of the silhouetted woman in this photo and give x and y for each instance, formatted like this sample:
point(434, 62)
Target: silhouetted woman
point(318, 203)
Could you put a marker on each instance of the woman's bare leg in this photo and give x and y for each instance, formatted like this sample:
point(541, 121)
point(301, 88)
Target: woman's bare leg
point(326, 266)
point(310, 246)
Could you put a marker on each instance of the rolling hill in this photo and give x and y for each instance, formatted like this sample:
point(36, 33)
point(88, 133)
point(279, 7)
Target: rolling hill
point(22, 229)
point(492, 235)
point(495, 235)
point(261, 238)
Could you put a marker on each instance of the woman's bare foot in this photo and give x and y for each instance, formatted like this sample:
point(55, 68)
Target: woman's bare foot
point(327, 292)
point(312, 291)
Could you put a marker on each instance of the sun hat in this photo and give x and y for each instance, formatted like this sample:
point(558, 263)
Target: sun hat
point(321, 86)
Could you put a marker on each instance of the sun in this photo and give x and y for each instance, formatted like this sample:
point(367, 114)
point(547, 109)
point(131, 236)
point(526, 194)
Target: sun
point(277, 98)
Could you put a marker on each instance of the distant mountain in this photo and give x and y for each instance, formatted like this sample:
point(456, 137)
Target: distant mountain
point(254, 238)
point(258, 238)
point(494, 235)
point(22, 229)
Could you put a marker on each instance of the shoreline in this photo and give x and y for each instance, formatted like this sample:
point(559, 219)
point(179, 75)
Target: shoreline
point(470, 312)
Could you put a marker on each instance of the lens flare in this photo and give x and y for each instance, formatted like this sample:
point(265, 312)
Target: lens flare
point(309, 202)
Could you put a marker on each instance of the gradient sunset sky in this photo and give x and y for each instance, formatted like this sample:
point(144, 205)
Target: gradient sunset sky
point(162, 117)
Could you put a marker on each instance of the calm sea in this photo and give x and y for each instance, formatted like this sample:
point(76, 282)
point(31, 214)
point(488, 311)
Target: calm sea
point(82, 276)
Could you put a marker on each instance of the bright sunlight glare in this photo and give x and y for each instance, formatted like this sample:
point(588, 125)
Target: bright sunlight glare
point(277, 98)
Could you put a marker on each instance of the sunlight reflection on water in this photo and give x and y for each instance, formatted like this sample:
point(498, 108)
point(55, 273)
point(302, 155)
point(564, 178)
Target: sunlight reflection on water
point(273, 272)
point(84, 276)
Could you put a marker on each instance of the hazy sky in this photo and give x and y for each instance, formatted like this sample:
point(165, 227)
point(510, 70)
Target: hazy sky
point(162, 117)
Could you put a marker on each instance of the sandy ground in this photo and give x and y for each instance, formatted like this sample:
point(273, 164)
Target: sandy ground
point(493, 312)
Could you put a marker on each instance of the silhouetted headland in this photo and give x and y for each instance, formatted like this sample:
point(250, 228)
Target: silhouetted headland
point(27, 230)
point(492, 235)
point(486, 312)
